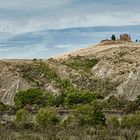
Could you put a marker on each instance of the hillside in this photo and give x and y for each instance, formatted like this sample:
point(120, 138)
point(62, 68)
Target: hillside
point(109, 69)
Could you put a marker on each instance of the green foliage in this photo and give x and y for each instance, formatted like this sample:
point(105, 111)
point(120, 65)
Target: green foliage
point(47, 116)
point(131, 107)
point(138, 101)
point(32, 96)
point(2, 107)
point(81, 63)
point(113, 122)
point(70, 121)
point(65, 83)
point(23, 117)
point(114, 103)
point(39, 72)
point(60, 100)
point(131, 121)
point(91, 114)
point(81, 97)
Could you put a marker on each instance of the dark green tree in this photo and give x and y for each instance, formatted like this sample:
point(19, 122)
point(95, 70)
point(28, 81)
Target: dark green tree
point(91, 114)
point(32, 96)
point(113, 37)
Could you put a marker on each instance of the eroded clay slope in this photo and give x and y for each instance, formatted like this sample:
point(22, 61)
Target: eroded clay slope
point(10, 83)
point(121, 65)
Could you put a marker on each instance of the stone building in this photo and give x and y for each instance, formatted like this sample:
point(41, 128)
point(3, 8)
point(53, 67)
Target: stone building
point(125, 37)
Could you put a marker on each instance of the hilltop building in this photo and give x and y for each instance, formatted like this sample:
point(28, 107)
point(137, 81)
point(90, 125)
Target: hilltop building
point(125, 37)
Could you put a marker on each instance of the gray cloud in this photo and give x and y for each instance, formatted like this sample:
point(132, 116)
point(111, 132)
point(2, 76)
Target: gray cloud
point(18, 16)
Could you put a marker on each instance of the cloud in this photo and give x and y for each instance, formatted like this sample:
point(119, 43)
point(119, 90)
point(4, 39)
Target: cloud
point(70, 46)
point(21, 16)
point(34, 48)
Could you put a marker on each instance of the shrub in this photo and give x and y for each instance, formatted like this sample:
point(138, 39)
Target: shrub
point(2, 107)
point(136, 120)
point(91, 114)
point(113, 122)
point(114, 103)
point(47, 116)
point(80, 63)
point(65, 83)
point(131, 121)
point(23, 117)
point(59, 100)
point(32, 96)
point(38, 71)
point(81, 97)
point(70, 121)
point(131, 107)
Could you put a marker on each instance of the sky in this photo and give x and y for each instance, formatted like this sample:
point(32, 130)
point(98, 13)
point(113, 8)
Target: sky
point(44, 28)
point(21, 16)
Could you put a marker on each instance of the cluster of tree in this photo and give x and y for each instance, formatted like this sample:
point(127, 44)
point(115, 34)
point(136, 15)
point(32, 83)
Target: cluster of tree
point(37, 98)
point(85, 111)
point(137, 40)
point(87, 114)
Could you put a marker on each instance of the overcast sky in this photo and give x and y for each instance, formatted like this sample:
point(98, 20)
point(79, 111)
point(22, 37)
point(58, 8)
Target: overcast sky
point(19, 16)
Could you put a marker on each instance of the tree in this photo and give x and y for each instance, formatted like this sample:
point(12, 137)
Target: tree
point(81, 97)
point(91, 114)
point(47, 116)
point(113, 37)
point(32, 96)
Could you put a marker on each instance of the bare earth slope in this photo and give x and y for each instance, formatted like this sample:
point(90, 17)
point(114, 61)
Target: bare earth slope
point(118, 62)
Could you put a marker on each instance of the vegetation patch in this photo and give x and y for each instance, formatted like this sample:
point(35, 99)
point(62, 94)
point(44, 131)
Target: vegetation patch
point(81, 63)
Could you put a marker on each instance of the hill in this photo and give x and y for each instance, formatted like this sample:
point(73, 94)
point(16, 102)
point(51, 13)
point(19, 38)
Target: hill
point(111, 69)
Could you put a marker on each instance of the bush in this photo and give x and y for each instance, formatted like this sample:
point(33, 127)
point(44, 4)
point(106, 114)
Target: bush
point(32, 97)
point(47, 116)
point(136, 120)
point(113, 122)
point(70, 121)
point(91, 114)
point(81, 97)
point(65, 83)
point(131, 121)
point(131, 107)
point(114, 103)
point(38, 73)
point(2, 107)
point(80, 63)
point(23, 117)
